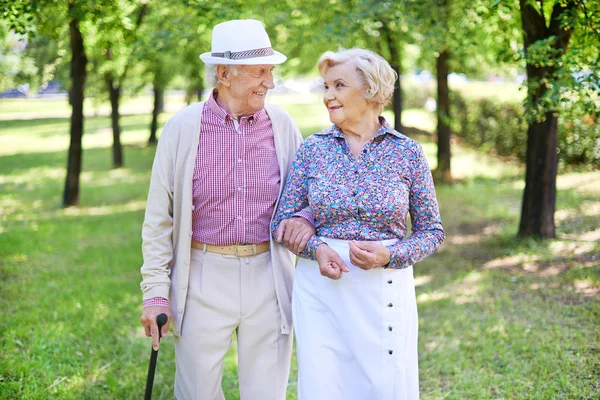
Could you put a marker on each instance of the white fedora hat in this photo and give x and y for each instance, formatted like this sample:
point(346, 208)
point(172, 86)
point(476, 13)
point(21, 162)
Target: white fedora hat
point(242, 41)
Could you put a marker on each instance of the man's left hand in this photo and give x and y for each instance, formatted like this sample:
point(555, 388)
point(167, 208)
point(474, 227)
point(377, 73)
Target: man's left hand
point(294, 233)
point(368, 255)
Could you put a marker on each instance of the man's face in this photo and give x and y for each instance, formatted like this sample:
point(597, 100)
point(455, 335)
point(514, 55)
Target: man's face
point(249, 87)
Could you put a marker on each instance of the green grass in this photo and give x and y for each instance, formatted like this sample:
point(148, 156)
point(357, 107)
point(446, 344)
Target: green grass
point(500, 317)
point(61, 105)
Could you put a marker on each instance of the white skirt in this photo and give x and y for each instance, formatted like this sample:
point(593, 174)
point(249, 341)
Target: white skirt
point(356, 337)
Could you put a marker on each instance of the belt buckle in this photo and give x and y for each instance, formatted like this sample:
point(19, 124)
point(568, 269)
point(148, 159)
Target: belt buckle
point(238, 248)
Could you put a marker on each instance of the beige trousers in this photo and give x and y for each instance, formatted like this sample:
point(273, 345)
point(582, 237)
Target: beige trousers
point(228, 294)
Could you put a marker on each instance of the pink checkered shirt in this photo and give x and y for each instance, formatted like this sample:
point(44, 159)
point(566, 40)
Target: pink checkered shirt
point(236, 180)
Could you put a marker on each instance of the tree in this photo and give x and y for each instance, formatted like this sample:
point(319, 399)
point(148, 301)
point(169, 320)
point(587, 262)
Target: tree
point(117, 34)
point(54, 18)
point(552, 63)
point(168, 45)
point(76, 97)
point(460, 36)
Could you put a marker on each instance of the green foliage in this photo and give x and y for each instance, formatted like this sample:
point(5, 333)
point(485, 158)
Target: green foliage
point(501, 128)
point(16, 67)
point(19, 15)
point(563, 57)
point(415, 96)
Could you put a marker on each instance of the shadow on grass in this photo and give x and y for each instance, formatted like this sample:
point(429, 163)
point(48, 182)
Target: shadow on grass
point(94, 159)
point(45, 128)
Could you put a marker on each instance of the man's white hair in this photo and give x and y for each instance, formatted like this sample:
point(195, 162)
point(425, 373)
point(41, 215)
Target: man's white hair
point(212, 79)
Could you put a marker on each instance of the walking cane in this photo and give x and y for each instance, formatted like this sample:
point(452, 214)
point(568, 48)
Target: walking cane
point(161, 319)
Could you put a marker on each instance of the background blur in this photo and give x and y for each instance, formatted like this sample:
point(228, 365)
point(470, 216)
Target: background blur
point(502, 95)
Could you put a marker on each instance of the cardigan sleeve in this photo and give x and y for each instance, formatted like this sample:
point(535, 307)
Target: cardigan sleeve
point(157, 230)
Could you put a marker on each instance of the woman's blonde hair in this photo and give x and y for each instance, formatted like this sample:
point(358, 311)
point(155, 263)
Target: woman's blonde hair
point(375, 72)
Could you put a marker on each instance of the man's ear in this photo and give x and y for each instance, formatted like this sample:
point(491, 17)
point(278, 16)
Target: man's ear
point(223, 75)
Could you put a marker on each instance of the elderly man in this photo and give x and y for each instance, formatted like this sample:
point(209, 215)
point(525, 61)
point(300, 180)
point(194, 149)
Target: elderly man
point(219, 169)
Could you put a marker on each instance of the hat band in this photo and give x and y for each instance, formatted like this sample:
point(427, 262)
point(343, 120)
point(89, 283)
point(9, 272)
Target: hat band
point(242, 55)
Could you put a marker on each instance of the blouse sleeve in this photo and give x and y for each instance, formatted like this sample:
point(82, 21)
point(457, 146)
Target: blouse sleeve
point(295, 199)
point(427, 231)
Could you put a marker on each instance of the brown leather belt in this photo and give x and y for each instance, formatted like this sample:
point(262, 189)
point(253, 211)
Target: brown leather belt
point(240, 250)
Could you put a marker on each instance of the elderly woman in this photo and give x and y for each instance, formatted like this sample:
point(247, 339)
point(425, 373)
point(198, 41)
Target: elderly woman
point(354, 303)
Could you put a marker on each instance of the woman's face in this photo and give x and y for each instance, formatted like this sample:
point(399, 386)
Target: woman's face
point(344, 95)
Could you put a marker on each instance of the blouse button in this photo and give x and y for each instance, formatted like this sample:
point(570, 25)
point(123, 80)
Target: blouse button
point(391, 351)
point(390, 328)
point(390, 281)
point(390, 305)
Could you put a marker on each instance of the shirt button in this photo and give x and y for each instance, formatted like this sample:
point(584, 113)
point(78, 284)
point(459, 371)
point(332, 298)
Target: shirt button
point(184, 286)
point(239, 160)
point(390, 305)
point(239, 188)
point(187, 262)
point(390, 281)
point(391, 351)
point(239, 217)
point(390, 328)
point(190, 233)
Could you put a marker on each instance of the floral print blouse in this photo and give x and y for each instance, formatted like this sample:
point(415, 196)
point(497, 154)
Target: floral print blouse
point(368, 198)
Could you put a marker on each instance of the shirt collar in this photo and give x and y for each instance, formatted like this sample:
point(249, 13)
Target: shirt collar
point(225, 116)
point(336, 132)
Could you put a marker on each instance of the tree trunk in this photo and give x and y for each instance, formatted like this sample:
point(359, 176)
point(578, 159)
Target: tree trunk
point(78, 76)
point(539, 196)
point(396, 64)
point(443, 119)
point(159, 92)
point(114, 91)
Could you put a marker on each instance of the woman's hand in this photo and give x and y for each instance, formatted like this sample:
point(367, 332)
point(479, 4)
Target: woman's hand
point(368, 255)
point(330, 263)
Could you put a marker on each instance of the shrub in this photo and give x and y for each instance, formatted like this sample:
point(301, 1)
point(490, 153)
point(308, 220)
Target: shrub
point(499, 127)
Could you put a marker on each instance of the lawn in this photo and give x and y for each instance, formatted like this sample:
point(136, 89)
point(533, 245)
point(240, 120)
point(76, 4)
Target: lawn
point(500, 317)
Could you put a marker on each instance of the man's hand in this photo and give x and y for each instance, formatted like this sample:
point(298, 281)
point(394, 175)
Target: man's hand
point(149, 321)
point(368, 255)
point(294, 233)
point(330, 263)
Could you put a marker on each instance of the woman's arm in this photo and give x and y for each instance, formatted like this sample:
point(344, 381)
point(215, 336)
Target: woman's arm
point(295, 199)
point(427, 231)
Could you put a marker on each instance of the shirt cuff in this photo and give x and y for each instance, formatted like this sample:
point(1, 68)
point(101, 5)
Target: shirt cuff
point(307, 215)
point(155, 302)
point(398, 256)
point(310, 251)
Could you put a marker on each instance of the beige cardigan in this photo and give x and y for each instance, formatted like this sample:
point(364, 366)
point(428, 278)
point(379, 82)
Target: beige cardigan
point(167, 229)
